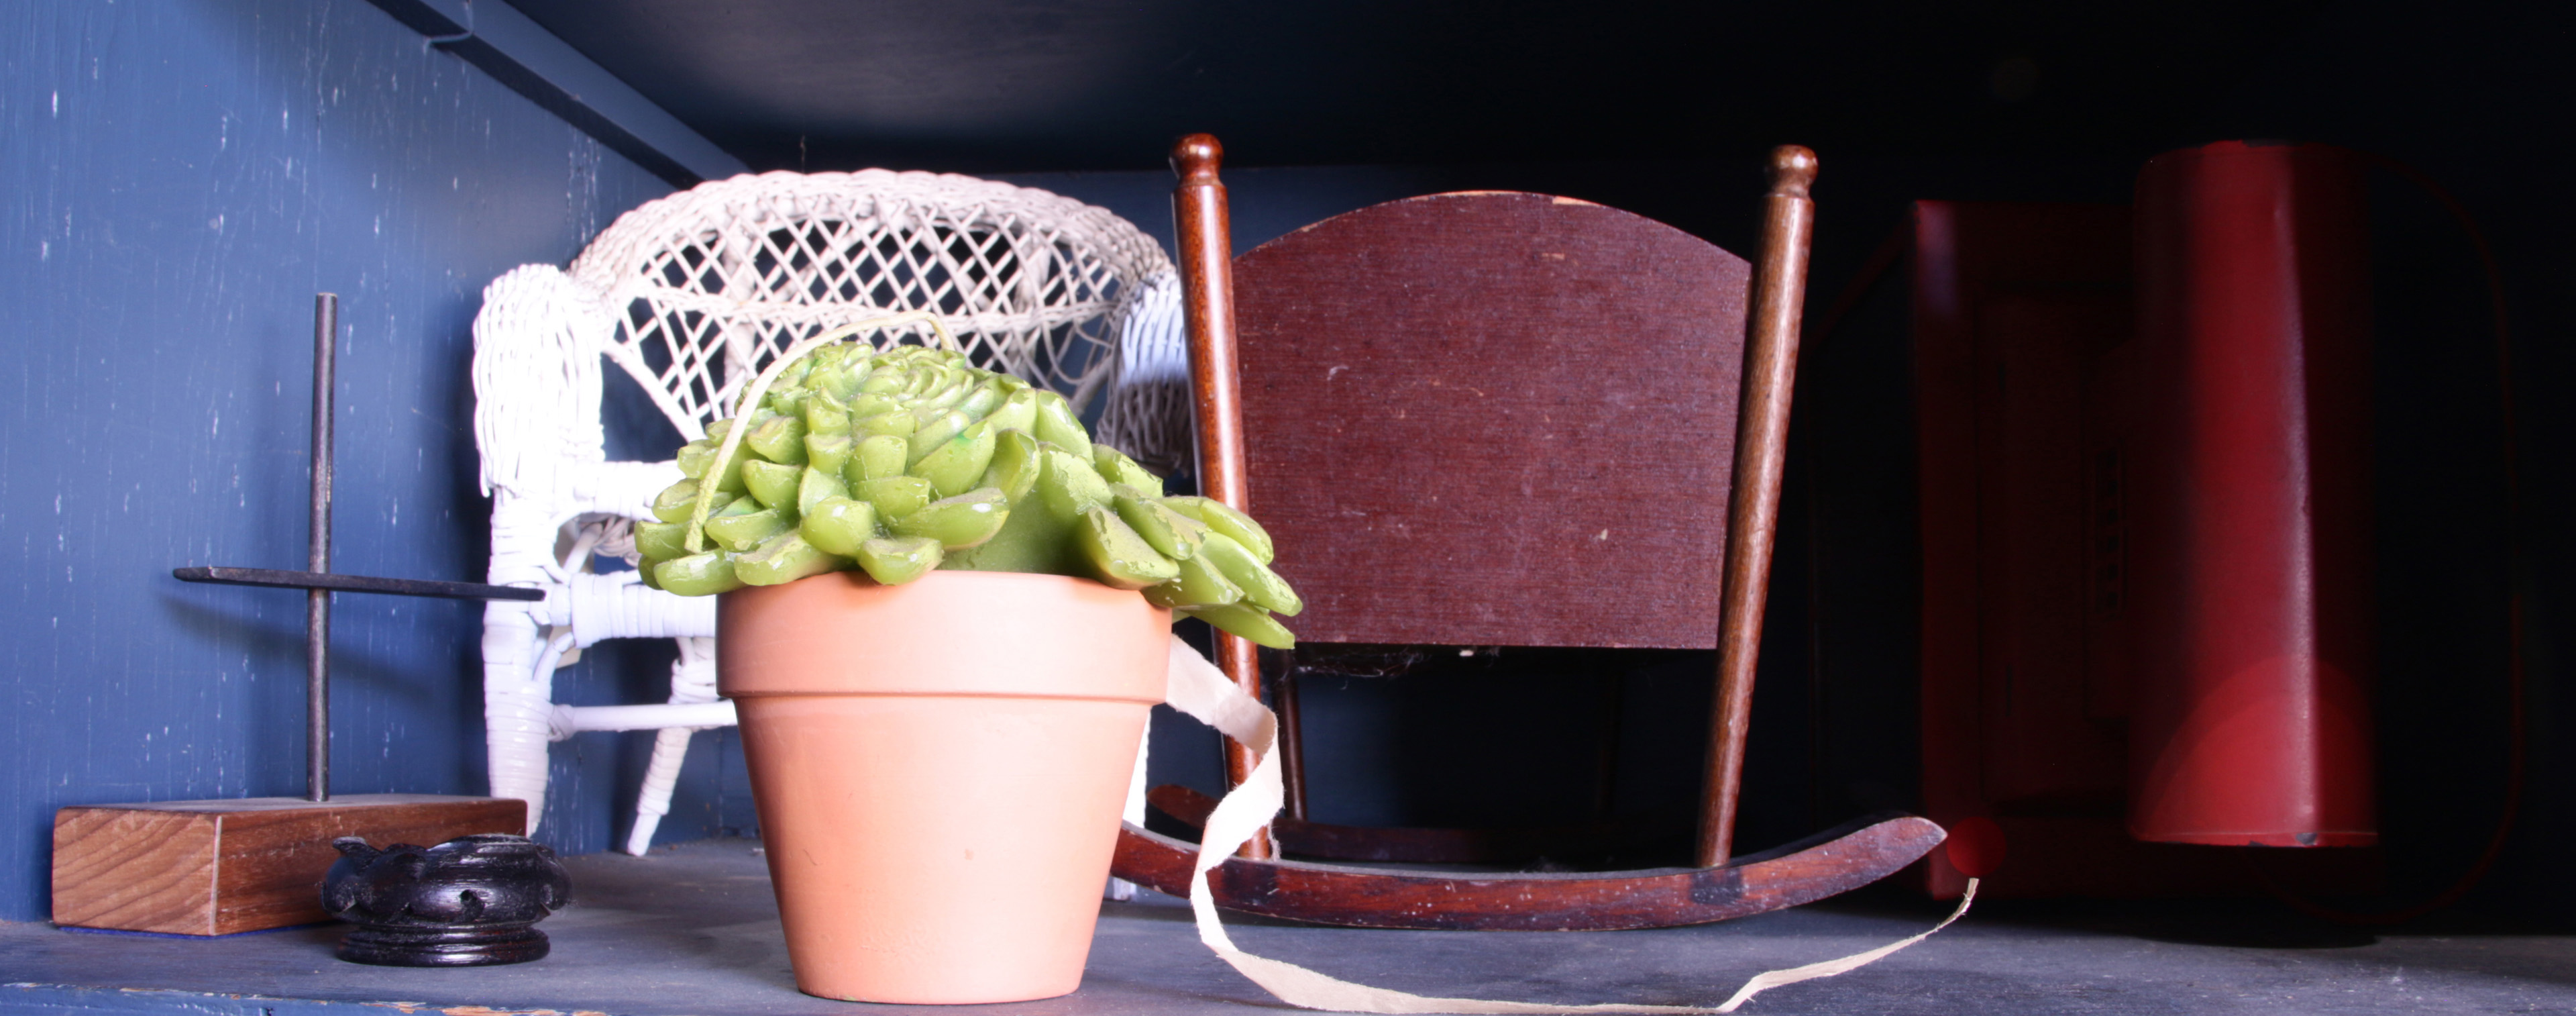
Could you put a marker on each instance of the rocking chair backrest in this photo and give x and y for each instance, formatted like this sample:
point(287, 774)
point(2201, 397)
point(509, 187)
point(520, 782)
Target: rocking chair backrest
point(1494, 418)
point(1560, 419)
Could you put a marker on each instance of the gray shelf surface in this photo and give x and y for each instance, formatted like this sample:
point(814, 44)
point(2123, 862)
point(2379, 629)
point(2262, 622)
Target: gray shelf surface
point(693, 930)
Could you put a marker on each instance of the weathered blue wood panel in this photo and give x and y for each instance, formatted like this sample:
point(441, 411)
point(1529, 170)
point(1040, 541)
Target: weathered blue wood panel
point(178, 179)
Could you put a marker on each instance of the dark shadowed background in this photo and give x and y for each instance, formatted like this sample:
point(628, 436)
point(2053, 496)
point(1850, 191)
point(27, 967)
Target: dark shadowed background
point(180, 178)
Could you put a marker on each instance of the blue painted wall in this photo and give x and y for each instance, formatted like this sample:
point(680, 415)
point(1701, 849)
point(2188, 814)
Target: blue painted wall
point(179, 176)
point(178, 179)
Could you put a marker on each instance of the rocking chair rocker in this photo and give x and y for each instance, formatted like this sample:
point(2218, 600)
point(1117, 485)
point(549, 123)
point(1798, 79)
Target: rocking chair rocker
point(1444, 396)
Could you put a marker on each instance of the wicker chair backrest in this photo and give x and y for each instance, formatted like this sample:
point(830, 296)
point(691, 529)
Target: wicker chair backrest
point(707, 285)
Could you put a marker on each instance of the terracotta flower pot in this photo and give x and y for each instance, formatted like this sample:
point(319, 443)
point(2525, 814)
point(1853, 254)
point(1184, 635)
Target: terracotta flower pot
point(939, 768)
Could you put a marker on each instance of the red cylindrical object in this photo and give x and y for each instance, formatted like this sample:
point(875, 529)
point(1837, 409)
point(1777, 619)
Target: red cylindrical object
point(2249, 500)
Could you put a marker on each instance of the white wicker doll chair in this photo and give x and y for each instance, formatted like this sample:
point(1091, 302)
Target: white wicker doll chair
point(692, 294)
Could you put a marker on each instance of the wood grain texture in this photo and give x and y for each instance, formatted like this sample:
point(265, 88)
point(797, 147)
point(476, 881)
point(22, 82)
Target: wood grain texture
point(1831, 862)
point(1493, 419)
point(1206, 237)
point(135, 870)
point(242, 864)
point(1761, 457)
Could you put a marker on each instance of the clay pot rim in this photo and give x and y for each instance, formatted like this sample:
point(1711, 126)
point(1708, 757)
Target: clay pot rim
point(931, 607)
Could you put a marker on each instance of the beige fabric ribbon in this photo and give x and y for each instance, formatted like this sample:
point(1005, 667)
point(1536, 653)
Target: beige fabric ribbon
point(1198, 688)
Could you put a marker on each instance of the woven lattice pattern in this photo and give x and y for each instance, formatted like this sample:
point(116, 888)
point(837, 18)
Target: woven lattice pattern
point(692, 295)
point(712, 283)
point(1147, 412)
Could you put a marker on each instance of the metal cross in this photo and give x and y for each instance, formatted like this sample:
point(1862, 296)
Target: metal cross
point(319, 582)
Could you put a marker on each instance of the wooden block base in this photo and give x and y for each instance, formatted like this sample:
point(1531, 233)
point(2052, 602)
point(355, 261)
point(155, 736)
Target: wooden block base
point(241, 864)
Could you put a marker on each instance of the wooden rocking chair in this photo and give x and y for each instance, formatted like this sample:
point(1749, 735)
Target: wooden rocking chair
point(1441, 399)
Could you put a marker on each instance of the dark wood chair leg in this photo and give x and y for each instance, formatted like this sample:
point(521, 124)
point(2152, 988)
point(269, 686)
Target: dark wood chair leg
point(1292, 743)
point(1753, 517)
point(1207, 301)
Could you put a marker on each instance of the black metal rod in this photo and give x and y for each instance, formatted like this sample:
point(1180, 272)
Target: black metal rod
point(317, 602)
point(279, 579)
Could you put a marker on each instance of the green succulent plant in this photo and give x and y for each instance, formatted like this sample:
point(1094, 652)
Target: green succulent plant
point(909, 460)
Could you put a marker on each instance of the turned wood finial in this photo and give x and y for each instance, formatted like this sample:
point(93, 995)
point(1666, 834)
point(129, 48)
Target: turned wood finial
point(1195, 158)
point(1778, 294)
point(1793, 170)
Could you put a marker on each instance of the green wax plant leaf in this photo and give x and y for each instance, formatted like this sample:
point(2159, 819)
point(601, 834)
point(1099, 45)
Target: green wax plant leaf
point(784, 558)
point(838, 525)
point(774, 484)
point(743, 532)
point(779, 439)
point(895, 560)
point(958, 522)
point(878, 456)
point(907, 460)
